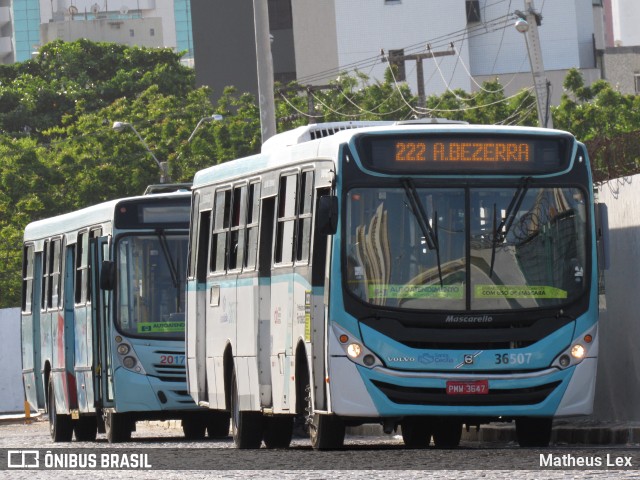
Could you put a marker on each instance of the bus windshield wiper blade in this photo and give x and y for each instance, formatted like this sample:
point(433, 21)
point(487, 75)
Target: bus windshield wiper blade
point(500, 233)
point(168, 257)
point(430, 234)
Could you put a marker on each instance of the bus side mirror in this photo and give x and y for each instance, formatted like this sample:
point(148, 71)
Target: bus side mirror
point(327, 215)
point(107, 275)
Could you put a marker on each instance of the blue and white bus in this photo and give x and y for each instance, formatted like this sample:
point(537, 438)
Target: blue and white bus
point(422, 275)
point(103, 319)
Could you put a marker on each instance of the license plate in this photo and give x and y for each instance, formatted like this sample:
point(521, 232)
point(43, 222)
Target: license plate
point(476, 387)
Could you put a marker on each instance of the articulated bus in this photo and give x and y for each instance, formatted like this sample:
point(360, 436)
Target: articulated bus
point(103, 319)
point(416, 275)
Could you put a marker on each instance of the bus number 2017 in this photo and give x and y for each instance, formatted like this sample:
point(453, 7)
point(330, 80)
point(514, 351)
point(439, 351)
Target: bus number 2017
point(512, 358)
point(172, 359)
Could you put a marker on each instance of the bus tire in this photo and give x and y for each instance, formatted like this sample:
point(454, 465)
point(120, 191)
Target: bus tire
point(447, 433)
point(533, 432)
point(246, 426)
point(278, 431)
point(85, 429)
point(326, 432)
point(416, 432)
point(60, 426)
point(194, 428)
point(218, 424)
point(118, 427)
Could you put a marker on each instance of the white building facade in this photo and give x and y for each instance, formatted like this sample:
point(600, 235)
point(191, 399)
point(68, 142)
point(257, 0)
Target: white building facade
point(626, 18)
point(147, 23)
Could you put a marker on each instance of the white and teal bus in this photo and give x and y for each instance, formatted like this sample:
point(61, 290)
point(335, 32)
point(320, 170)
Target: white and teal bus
point(103, 319)
point(421, 275)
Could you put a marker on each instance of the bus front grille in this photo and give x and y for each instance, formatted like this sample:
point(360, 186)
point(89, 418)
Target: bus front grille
point(170, 373)
point(438, 396)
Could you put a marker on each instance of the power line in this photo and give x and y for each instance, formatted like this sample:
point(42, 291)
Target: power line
point(439, 41)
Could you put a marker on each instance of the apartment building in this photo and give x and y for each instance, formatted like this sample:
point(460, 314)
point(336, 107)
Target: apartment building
point(27, 24)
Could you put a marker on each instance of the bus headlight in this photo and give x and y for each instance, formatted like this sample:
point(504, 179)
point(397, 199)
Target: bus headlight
point(129, 362)
point(127, 355)
point(354, 350)
point(578, 351)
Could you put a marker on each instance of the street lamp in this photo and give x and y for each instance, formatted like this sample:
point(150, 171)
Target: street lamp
point(213, 118)
point(164, 174)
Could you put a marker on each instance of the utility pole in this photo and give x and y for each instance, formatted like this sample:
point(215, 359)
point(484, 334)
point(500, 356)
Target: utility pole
point(529, 28)
point(418, 57)
point(265, 69)
point(311, 108)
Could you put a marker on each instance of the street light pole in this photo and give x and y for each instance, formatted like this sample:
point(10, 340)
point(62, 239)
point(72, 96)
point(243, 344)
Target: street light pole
point(163, 166)
point(528, 25)
point(212, 118)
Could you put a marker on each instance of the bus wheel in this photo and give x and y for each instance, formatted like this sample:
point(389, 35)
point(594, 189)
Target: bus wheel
point(278, 431)
point(447, 434)
point(85, 429)
point(194, 428)
point(118, 427)
point(326, 432)
point(60, 426)
point(246, 426)
point(533, 432)
point(416, 432)
point(218, 424)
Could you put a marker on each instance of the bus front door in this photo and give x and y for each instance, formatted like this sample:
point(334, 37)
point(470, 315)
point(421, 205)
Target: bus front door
point(102, 384)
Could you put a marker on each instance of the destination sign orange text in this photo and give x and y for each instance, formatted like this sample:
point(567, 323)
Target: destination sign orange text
point(473, 151)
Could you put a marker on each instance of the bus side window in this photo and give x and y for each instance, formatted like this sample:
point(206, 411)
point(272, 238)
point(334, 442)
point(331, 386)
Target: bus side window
point(202, 246)
point(27, 278)
point(219, 234)
point(251, 242)
point(286, 218)
point(303, 228)
point(45, 276)
point(54, 278)
point(237, 233)
point(82, 267)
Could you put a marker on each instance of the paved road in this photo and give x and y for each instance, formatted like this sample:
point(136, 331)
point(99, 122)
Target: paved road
point(364, 458)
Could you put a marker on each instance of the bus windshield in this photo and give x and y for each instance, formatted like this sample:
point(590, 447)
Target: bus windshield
point(150, 299)
point(466, 248)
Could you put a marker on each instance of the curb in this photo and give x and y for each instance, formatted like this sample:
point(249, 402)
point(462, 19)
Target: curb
point(9, 419)
point(562, 434)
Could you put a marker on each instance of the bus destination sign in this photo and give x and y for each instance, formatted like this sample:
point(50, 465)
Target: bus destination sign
point(452, 151)
point(462, 153)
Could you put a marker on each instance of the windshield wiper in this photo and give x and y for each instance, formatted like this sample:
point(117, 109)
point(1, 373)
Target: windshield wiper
point(500, 233)
point(430, 234)
point(167, 254)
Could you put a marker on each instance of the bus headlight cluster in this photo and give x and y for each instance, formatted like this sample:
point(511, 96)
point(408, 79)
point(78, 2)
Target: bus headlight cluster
point(127, 356)
point(576, 352)
point(354, 349)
